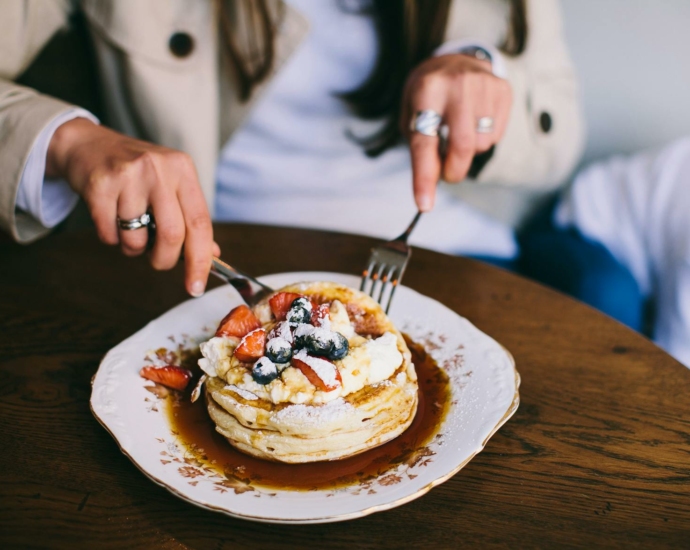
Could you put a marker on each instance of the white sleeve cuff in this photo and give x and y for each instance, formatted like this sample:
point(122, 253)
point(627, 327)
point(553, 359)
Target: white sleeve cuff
point(48, 200)
point(498, 65)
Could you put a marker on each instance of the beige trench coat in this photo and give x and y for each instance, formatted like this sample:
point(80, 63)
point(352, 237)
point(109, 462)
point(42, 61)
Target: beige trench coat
point(189, 102)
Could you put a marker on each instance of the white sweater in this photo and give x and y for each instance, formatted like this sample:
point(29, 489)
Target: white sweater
point(292, 162)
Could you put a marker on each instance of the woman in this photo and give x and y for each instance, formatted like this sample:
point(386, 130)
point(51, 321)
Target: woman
point(264, 110)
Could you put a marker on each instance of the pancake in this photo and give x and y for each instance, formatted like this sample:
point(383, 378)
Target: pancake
point(334, 399)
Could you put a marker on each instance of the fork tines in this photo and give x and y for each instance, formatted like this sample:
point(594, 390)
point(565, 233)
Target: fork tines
point(386, 266)
point(384, 271)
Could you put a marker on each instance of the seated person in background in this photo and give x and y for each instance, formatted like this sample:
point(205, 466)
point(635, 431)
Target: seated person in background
point(637, 208)
point(290, 113)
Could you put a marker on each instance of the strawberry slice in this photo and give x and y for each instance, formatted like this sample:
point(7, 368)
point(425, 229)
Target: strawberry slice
point(319, 313)
point(252, 346)
point(239, 322)
point(319, 371)
point(281, 302)
point(170, 376)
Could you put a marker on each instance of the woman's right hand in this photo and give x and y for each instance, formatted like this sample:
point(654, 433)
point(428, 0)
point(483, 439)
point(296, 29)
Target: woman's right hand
point(118, 176)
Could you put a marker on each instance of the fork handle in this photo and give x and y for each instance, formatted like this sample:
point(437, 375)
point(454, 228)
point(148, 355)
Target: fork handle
point(404, 236)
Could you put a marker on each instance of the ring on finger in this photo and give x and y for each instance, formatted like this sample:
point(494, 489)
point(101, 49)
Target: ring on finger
point(485, 125)
point(145, 220)
point(426, 122)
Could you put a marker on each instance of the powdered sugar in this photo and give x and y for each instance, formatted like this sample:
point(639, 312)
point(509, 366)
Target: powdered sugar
point(264, 371)
point(244, 394)
point(321, 334)
point(281, 330)
point(303, 302)
point(321, 318)
point(303, 329)
point(276, 345)
point(315, 415)
point(325, 370)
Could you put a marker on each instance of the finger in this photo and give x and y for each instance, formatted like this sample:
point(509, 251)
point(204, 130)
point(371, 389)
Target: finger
point(425, 94)
point(426, 169)
point(484, 106)
point(132, 203)
point(216, 250)
point(170, 229)
point(103, 209)
point(502, 104)
point(198, 244)
point(461, 138)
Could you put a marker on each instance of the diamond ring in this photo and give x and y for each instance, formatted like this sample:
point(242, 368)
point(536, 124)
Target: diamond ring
point(485, 125)
point(135, 223)
point(426, 122)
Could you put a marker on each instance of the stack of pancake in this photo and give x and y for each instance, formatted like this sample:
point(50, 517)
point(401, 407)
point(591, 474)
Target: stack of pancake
point(295, 417)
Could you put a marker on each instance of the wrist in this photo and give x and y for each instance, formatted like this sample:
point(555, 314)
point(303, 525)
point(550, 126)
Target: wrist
point(481, 62)
point(477, 52)
point(469, 62)
point(64, 141)
point(478, 49)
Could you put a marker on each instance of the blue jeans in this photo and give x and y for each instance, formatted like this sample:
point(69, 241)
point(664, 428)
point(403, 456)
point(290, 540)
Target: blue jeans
point(583, 269)
point(567, 261)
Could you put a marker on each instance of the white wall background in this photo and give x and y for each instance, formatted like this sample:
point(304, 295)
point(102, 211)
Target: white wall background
point(633, 58)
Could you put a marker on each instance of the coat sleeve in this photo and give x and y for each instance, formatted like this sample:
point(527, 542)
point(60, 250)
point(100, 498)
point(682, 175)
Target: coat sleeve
point(545, 133)
point(25, 28)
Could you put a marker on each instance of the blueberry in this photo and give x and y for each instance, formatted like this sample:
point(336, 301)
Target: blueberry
point(264, 371)
point(281, 367)
point(300, 342)
point(279, 350)
point(300, 311)
point(302, 302)
point(340, 347)
point(302, 332)
point(319, 344)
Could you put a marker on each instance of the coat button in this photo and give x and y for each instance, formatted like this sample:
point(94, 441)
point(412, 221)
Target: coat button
point(545, 122)
point(181, 44)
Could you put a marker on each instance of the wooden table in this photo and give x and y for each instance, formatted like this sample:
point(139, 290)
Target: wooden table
point(597, 455)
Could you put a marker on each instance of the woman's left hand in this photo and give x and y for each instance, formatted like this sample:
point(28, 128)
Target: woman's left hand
point(462, 90)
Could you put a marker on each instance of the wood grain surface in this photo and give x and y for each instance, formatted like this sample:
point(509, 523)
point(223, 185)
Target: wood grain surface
point(597, 455)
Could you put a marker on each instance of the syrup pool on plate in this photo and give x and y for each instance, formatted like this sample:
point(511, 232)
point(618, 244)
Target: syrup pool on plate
point(196, 432)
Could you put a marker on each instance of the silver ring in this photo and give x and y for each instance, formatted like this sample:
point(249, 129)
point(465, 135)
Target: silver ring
point(426, 122)
point(485, 125)
point(135, 223)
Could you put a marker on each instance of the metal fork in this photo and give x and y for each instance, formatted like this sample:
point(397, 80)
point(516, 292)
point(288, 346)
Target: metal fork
point(252, 290)
point(386, 266)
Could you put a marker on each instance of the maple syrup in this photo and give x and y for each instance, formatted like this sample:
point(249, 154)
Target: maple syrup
point(196, 431)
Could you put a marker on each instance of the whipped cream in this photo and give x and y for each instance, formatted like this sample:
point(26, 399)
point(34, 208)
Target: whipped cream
point(368, 362)
point(384, 357)
point(217, 353)
point(339, 320)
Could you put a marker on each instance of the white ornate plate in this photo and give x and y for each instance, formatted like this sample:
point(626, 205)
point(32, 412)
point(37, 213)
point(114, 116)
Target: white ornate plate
point(484, 395)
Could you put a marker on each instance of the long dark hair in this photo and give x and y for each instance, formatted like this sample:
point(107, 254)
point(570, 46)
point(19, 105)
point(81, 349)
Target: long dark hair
point(408, 32)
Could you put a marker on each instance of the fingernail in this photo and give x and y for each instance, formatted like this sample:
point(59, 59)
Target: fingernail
point(425, 203)
point(197, 288)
